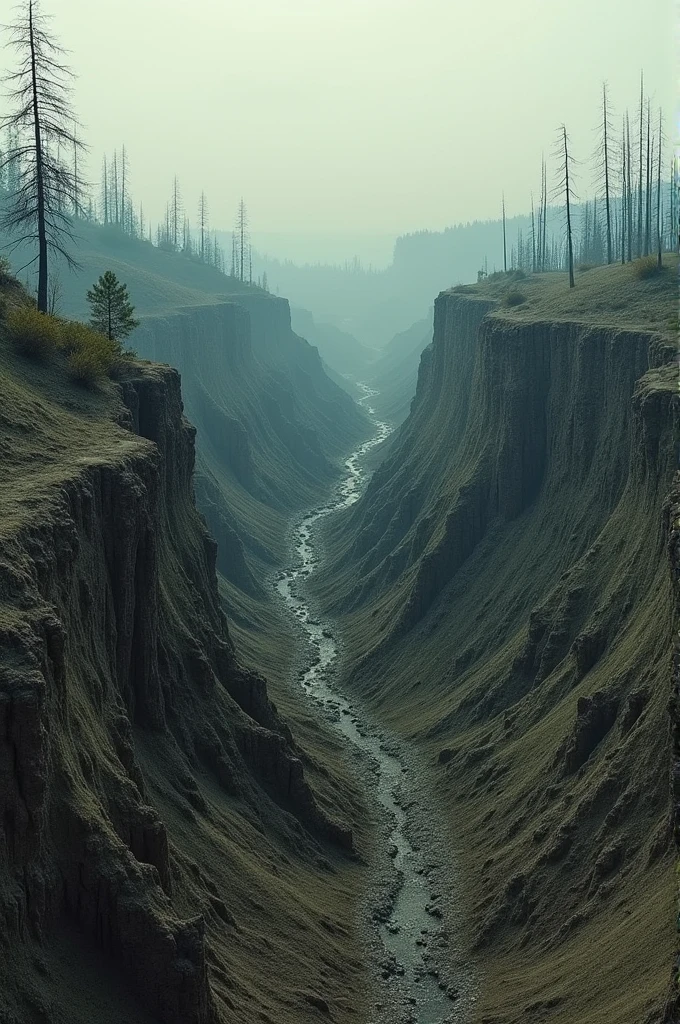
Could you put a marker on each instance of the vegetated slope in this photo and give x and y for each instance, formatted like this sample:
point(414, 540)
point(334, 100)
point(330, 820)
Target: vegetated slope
point(395, 374)
point(508, 601)
point(163, 856)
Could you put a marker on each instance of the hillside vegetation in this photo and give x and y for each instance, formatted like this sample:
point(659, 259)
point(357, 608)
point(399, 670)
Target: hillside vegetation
point(507, 601)
point(164, 856)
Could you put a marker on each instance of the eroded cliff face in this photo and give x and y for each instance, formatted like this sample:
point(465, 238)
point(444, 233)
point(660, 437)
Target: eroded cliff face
point(672, 1012)
point(510, 607)
point(116, 667)
point(271, 427)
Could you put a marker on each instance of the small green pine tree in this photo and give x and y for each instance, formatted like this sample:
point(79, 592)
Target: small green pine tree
point(112, 311)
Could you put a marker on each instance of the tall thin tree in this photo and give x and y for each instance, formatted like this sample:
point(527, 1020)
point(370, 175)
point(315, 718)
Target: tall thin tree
point(105, 191)
point(505, 244)
point(640, 179)
point(39, 90)
point(203, 223)
point(624, 191)
point(114, 184)
point(659, 206)
point(648, 181)
point(606, 133)
point(123, 192)
point(175, 212)
point(565, 187)
point(545, 210)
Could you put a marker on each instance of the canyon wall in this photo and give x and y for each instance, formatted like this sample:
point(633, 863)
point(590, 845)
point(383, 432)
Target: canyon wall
point(510, 607)
point(133, 746)
point(271, 425)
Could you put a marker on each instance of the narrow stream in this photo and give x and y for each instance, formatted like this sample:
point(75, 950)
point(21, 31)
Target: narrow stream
point(412, 931)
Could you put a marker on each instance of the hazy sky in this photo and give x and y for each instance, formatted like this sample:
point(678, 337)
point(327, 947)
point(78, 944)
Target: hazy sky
point(354, 116)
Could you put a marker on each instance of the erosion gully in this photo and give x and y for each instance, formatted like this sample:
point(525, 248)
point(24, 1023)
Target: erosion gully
point(409, 915)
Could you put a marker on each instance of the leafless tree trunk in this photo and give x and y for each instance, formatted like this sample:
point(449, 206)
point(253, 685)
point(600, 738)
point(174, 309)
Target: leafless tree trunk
point(565, 186)
point(659, 207)
point(624, 192)
point(642, 125)
point(648, 184)
point(41, 123)
point(604, 156)
point(630, 191)
point(203, 221)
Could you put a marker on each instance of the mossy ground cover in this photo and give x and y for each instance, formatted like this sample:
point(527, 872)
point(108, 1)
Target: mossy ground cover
point(536, 674)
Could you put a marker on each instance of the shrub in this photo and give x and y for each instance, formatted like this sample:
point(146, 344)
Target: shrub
point(514, 298)
point(91, 356)
point(645, 268)
point(85, 366)
point(33, 334)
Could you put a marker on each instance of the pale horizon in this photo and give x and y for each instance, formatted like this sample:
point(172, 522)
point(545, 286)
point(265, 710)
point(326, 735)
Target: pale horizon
point(355, 119)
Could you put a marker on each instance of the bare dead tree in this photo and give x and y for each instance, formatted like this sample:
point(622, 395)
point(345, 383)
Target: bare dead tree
point(659, 201)
point(564, 188)
point(124, 168)
point(242, 240)
point(114, 187)
point(77, 210)
point(624, 191)
point(175, 212)
point(545, 213)
point(648, 181)
point(603, 155)
point(203, 223)
point(42, 120)
point(505, 244)
point(630, 190)
point(105, 192)
point(641, 132)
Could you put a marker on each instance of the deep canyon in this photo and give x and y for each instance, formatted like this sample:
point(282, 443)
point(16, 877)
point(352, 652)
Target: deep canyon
point(324, 703)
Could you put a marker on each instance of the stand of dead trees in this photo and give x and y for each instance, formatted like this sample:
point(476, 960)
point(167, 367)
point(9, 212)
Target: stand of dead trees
point(633, 212)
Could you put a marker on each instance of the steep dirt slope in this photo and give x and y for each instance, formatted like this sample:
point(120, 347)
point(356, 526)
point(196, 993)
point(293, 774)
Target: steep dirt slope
point(163, 856)
point(507, 601)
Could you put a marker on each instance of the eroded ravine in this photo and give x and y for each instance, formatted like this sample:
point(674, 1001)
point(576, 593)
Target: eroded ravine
point(411, 928)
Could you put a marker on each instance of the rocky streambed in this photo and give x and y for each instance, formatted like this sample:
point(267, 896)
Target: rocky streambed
point(410, 917)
